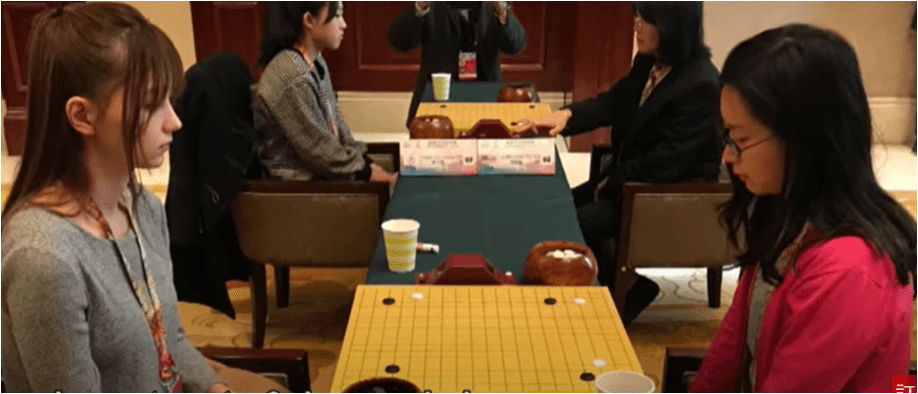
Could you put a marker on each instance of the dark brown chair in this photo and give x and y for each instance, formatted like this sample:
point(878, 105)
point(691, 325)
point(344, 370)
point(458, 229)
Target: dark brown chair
point(680, 367)
point(304, 224)
point(291, 365)
point(681, 364)
point(385, 154)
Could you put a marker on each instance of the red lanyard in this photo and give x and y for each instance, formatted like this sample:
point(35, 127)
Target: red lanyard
point(149, 303)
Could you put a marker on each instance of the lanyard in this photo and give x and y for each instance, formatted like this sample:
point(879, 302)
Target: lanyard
point(328, 106)
point(152, 309)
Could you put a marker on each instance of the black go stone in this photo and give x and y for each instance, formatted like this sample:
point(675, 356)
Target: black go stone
point(392, 368)
point(550, 301)
point(587, 377)
point(388, 301)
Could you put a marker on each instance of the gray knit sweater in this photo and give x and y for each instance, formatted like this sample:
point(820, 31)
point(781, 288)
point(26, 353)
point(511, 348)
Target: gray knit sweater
point(294, 112)
point(70, 319)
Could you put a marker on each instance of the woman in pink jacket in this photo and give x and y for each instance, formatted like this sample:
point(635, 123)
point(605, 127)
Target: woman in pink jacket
point(824, 302)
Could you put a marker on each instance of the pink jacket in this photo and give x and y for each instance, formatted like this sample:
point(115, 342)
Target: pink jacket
point(840, 322)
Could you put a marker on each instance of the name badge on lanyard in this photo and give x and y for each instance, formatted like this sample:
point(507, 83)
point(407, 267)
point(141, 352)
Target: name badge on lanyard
point(468, 67)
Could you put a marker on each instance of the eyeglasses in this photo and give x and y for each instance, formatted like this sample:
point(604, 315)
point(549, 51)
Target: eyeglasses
point(735, 149)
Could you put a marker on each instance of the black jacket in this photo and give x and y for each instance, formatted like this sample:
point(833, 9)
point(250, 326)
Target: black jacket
point(210, 159)
point(672, 137)
point(438, 35)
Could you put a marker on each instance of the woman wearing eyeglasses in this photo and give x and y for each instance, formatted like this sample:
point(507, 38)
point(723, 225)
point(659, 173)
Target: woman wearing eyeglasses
point(824, 303)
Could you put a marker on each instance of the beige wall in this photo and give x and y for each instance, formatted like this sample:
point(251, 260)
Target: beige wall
point(879, 32)
point(174, 17)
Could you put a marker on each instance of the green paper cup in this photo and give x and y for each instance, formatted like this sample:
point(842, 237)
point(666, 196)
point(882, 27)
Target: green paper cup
point(401, 238)
point(440, 83)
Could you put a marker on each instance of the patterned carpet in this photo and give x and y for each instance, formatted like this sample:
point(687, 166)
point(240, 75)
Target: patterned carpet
point(320, 303)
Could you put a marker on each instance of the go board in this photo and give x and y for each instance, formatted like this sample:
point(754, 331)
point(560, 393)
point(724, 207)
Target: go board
point(484, 338)
point(465, 115)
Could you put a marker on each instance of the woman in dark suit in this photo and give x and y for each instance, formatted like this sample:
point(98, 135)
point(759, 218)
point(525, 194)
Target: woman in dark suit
point(663, 117)
point(446, 29)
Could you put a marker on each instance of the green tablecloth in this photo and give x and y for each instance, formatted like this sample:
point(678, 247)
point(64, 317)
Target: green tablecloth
point(500, 217)
point(472, 92)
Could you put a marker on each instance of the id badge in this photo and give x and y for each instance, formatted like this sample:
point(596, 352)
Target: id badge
point(468, 67)
point(177, 385)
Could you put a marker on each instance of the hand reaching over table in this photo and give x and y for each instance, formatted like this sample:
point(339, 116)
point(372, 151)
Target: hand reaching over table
point(556, 120)
point(381, 175)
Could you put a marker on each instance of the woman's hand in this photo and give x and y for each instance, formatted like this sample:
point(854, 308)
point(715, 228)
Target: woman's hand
point(378, 174)
point(219, 388)
point(556, 120)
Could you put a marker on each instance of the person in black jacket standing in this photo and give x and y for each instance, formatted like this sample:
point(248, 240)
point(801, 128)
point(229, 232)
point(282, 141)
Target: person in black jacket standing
point(451, 32)
point(663, 117)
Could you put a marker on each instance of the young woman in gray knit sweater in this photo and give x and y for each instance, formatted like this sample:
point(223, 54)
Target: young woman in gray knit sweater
point(87, 294)
point(302, 132)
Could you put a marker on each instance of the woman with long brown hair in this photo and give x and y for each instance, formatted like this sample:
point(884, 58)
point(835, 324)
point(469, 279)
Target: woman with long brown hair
point(88, 300)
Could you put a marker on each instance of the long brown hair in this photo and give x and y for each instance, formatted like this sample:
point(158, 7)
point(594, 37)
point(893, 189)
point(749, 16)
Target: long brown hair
point(87, 50)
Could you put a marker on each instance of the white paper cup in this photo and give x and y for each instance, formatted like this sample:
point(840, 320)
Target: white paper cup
point(401, 238)
point(441, 85)
point(623, 382)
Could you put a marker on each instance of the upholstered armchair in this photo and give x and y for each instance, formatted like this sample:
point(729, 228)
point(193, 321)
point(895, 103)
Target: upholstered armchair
point(304, 224)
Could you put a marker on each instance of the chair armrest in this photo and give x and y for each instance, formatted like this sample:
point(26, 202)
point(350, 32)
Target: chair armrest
point(386, 148)
point(596, 155)
point(696, 187)
point(679, 366)
point(381, 189)
point(293, 363)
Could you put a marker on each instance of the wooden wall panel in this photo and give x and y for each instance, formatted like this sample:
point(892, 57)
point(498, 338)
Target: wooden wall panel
point(227, 25)
point(367, 62)
point(603, 47)
point(17, 24)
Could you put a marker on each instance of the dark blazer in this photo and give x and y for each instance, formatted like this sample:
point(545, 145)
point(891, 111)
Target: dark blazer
point(672, 137)
point(210, 159)
point(438, 35)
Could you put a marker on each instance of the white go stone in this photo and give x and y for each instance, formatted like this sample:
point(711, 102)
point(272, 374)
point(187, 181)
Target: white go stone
point(579, 301)
point(599, 363)
point(417, 296)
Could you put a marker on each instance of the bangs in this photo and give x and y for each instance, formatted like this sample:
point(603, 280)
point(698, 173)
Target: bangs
point(153, 75)
point(155, 69)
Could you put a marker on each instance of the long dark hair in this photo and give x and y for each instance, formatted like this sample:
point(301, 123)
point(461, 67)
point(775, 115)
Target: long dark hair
point(804, 83)
point(680, 27)
point(89, 50)
point(283, 25)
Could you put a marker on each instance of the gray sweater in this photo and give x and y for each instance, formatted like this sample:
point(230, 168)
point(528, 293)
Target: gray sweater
point(70, 319)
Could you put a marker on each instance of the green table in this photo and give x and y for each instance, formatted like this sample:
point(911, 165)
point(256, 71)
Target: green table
point(500, 217)
point(472, 92)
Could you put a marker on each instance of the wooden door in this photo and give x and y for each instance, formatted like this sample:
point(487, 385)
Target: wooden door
point(367, 62)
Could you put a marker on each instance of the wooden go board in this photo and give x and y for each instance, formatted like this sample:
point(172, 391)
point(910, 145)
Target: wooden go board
point(908, 199)
point(484, 338)
point(465, 115)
